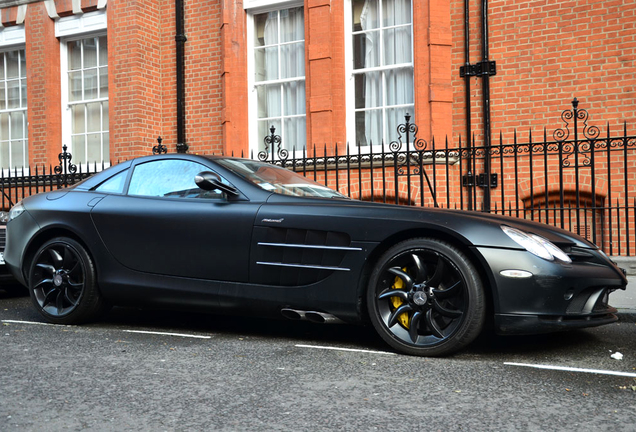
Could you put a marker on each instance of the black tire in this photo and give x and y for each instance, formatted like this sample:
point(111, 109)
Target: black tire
point(63, 283)
point(425, 298)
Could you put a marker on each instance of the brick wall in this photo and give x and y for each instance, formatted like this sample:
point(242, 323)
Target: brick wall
point(43, 86)
point(135, 77)
point(547, 53)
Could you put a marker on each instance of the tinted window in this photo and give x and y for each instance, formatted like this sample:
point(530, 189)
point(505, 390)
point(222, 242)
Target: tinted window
point(169, 178)
point(276, 179)
point(115, 184)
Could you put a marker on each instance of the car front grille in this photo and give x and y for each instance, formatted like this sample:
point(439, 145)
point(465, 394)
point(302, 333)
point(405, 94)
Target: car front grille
point(582, 255)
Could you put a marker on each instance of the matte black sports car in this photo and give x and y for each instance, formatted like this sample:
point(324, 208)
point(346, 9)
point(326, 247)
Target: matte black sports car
point(225, 234)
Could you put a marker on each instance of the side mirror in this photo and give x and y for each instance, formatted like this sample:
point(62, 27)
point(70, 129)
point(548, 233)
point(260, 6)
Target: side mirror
point(207, 180)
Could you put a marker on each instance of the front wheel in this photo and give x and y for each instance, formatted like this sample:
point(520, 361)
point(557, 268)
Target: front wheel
point(63, 283)
point(425, 298)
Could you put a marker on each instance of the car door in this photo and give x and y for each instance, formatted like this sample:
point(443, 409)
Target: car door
point(166, 225)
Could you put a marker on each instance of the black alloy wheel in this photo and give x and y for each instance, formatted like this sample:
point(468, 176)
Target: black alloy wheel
point(425, 298)
point(62, 283)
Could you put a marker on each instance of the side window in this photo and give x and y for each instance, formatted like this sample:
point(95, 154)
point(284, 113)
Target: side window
point(115, 184)
point(169, 178)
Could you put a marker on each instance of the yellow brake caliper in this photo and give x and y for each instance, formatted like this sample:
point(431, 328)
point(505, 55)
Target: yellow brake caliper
point(397, 302)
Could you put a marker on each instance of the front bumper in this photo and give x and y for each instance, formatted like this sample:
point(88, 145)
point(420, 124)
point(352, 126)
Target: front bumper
point(557, 296)
point(19, 232)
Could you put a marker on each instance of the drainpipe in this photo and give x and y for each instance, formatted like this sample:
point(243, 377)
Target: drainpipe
point(467, 76)
point(486, 104)
point(181, 39)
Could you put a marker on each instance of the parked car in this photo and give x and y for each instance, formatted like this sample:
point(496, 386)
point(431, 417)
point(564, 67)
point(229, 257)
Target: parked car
point(233, 235)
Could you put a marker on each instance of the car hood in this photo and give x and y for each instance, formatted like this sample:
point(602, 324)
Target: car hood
point(476, 228)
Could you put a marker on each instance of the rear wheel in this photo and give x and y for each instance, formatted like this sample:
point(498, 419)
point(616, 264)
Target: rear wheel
point(425, 298)
point(63, 283)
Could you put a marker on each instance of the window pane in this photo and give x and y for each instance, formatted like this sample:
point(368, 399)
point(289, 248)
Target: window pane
point(370, 85)
point(369, 127)
point(23, 93)
point(103, 51)
point(399, 87)
point(4, 154)
point(22, 64)
point(17, 125)
point(79, 119)
point(103, 82)
point(271, 63)
point(90, 84)
point(366, 50)
point(365, 14)
point(75, 86)
point(4, 126)
point(397, 46)
point(294, 98)
point(105, 146)
point(295, 133)
point(3, 95)
point(292, 25)
point(292, 60)
point(266, 62)
point(259, 29)
point(13, 94)
point(93, 117)
point(74, 55)
point(105, 117)
point(270, 28)
point(94, 144)
point(17, 153)
point(396, 12)
point(79, 148)
point(268, 101)
point(13, 64)
point(90, 53)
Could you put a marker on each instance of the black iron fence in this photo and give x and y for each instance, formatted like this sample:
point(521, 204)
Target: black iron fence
point(18, 183)
point(578, 177)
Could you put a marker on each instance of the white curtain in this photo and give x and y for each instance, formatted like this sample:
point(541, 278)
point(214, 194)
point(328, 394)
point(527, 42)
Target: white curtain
point(288, 54)
point(394, 48)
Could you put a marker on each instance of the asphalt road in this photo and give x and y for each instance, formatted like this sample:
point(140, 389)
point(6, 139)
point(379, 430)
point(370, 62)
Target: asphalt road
point(209, 372)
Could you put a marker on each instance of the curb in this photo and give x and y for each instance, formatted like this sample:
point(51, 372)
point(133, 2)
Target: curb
point(628, 263)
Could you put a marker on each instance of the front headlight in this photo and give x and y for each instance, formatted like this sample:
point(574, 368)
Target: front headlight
point(16, 211)
point(536, 245)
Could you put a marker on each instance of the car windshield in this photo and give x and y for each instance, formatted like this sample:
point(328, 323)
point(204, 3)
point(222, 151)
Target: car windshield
point(276, 179)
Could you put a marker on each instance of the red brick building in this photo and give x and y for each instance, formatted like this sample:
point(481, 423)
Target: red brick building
point(409, 53)
point(107, 77)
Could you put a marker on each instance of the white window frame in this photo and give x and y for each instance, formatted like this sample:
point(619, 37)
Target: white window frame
point(255, 8)
point(71, 29)
point(14, 39)
point(350, 74)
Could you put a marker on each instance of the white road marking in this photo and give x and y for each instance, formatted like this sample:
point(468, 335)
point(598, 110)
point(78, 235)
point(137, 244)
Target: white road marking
point(572, 369)
point(168, 334)
point(33, 323)
point(344, 349)
point(128, 331)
